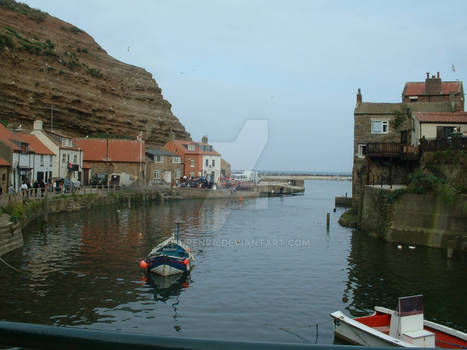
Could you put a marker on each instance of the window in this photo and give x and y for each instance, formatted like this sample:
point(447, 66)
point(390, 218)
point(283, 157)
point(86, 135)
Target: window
point(51, 161)
point(42, 160)
point(210, 148)
point(63, 158)
point(361, 150)
point(207, 162)
point(192, 163)
point(192, 173)
point(379, 126)
point(176, 160)
point(191, 147)
point(157, 174)
point(213, 162)
point(158, 159)
point(178, 173)
point(75, 159)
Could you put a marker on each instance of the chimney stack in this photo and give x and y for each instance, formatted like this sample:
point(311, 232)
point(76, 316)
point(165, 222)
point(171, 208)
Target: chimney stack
point(359, 97)
point(432, 85)
point(38, 125)
point(204, 139)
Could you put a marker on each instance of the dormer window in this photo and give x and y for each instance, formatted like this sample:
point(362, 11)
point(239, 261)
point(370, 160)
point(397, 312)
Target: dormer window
point(191, 147)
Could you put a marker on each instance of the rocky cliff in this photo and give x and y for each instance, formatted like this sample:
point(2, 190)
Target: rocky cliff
point(48, 66)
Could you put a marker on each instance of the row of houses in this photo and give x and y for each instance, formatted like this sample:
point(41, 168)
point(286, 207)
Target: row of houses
point(29, 156)
point(387, 136)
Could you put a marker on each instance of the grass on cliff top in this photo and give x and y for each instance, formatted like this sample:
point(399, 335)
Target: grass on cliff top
point(34, 14)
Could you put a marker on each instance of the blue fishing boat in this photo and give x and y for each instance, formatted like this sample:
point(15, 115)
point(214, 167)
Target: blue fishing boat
point(170, 257)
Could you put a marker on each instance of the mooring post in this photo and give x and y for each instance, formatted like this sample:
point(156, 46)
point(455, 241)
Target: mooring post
point(129, 202)
point(328, 219)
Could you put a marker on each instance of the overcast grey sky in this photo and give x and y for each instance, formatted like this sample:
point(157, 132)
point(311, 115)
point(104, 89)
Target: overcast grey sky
point(296, 64)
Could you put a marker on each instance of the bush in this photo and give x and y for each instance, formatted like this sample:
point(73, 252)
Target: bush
point(16, 211)
point(34, 14)
point(421, 182)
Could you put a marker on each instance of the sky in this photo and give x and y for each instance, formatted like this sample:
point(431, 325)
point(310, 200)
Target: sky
point(293, 67)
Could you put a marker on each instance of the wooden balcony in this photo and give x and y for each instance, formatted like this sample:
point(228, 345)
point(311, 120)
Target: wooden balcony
point(392, 150)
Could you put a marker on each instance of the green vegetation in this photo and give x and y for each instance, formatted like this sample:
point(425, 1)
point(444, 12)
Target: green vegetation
point(34, 14)
point(35, 47)
point(401, 117)
point(72, 29)
point(6, 41)
point(16, 211)
point(348, 219)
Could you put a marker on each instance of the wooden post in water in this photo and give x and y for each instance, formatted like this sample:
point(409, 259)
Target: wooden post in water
point(129, 202)
point(328, 219)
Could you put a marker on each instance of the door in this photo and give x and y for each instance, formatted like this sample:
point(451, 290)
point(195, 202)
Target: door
point(168, 176)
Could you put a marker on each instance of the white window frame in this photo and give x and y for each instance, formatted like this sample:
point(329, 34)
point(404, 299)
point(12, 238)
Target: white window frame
point(63, 158)
point(379, 126)
point(191, 147)
point(207, 162)
point(75, 159)
point(361, 150)
point(158, 159)
point(176, 160)
point(42, 160)
point(213, 162)
point(156, 174)
point(51, 160)
point(192, 163)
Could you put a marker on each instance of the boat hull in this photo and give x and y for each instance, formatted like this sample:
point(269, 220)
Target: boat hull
point(166, 265)
point(349, 330)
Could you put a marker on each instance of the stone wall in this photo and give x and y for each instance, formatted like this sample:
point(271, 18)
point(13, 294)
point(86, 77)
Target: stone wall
point(416, 219)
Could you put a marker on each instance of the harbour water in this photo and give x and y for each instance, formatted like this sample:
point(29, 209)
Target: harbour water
point(267, 269)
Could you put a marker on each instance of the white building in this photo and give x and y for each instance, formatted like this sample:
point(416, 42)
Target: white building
point(68, 161)
point(29, 158)
point(211, 160)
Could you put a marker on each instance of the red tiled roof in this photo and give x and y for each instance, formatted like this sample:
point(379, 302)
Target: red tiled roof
point(457, 117)
point(6, 136)
point(418, 88)
point(35, 145)
point(179, 144)
point(95, 150)
point(3, 162)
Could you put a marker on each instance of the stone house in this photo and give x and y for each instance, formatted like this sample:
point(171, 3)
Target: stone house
point(384, 133)
point(28, 160)
point(108, 156)
point(226, 170)
point(163, 166)
point(199, 158)
point(68, 160)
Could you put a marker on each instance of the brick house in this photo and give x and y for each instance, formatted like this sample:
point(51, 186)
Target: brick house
point(107, 156)
point(199, 158)
point(384, 133)
point(162, 165)
point(435, 90)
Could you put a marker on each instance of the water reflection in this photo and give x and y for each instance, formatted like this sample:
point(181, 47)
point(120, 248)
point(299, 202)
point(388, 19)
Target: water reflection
point(167, 287)
point(380, 272)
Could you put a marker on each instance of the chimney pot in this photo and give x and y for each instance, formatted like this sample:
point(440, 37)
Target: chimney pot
point(204, 139)
point(437, 75)
point(428, 75)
